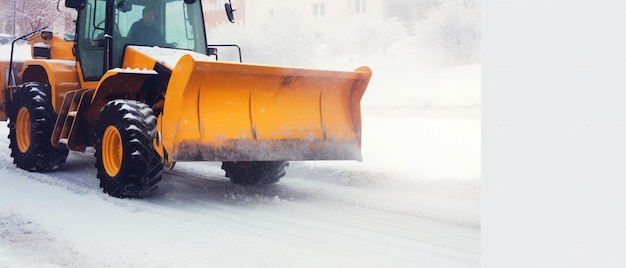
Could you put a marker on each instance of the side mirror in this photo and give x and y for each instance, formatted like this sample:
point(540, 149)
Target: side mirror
point(77, 4)
point(229, 12)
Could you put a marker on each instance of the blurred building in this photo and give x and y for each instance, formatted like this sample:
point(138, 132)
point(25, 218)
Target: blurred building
point(327, 11)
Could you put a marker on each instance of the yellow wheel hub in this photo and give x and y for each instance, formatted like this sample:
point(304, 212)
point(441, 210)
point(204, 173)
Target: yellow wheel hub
point(22, 129)
point(112, 151)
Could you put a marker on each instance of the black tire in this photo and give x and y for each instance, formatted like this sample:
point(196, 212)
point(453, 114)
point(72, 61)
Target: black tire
point(31, 121)
point(255, 172)
point(139, 167)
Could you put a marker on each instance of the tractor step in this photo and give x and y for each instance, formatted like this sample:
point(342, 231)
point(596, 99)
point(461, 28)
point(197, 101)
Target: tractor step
point(64, 128)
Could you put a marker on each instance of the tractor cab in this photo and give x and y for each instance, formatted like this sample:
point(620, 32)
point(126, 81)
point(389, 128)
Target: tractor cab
point(106, 27)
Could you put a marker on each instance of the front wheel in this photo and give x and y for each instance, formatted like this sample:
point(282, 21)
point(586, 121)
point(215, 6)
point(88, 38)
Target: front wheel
point(128, 165)
point(255, 172)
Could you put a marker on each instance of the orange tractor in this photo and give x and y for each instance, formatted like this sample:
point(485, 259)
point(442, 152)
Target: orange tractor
point(143, 107)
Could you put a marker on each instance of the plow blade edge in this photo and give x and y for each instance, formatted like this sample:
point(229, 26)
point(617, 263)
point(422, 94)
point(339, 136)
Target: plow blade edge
point(218, 111)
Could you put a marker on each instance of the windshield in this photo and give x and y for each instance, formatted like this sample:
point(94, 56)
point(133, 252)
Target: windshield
point(164, 23)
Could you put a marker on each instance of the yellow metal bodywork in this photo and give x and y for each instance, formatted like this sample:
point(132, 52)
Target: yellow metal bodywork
point(60, 46)
point(214, 111)
point(219, 111)
point(61, 75)
point(59, 71)
point(81, 108)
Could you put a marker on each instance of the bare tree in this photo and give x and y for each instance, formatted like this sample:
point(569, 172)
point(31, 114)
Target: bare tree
point(35, 14)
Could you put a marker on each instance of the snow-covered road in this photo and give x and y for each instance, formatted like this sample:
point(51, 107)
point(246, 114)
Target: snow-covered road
point(413, 202)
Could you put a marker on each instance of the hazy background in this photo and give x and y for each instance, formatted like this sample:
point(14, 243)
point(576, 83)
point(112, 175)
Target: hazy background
point(424, 64)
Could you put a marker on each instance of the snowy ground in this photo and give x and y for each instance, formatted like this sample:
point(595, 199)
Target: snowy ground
point(413, 202)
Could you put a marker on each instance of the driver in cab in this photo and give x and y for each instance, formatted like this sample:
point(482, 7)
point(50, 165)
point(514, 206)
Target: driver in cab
point(144, 31)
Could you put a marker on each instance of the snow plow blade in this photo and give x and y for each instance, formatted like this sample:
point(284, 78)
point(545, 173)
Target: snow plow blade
point(243, 112)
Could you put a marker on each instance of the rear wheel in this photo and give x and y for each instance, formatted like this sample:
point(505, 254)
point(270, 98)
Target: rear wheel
point(128, 165)
point(32, 120)
point(255, 172)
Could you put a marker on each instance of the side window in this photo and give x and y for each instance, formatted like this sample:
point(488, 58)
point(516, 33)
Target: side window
point(184, 26)
point(90, 53)
point(97, 25)
point(177, 16)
